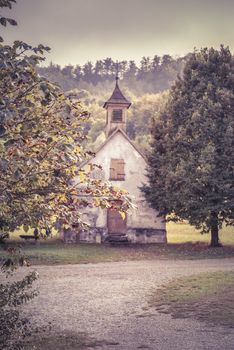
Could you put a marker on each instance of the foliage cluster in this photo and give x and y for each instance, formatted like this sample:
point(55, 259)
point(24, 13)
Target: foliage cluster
point(141, 116)
point(42, 181)
point(15, 327)
point(41, 136)
point(152, 75)
point(191, 173)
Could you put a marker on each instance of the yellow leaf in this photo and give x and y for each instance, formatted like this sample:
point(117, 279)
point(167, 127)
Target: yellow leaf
point(88, 168)
point(96, 202)
point(77, 149)
point(82, 176)
point(122, 214)
point(61, 197)
point(65, 227)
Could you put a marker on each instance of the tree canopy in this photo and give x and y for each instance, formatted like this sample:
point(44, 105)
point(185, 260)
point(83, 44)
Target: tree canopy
point(41, 147)
point(151, 75)
point(191, 164)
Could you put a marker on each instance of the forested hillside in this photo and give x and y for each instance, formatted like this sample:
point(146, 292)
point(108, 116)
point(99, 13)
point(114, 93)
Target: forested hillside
point(144, 85)
point(152, 75)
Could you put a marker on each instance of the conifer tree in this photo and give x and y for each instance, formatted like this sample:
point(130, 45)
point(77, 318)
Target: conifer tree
point(191, 165)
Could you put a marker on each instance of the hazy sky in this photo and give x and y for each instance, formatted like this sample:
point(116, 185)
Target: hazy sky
point(82, 30)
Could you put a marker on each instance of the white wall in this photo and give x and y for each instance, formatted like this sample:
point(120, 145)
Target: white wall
point(119, 147)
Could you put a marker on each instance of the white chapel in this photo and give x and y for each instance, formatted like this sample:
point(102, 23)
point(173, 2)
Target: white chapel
point(124, 166)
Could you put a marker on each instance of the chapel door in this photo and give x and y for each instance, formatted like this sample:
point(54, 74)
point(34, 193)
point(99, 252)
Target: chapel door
point(115, 223)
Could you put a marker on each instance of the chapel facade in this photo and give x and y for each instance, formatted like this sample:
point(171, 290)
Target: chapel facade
point(124, 166)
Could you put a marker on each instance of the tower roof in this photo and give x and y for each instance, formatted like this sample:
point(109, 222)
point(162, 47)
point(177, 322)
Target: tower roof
point(117, 97)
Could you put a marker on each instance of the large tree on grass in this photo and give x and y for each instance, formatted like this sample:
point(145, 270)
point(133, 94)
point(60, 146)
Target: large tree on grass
point(191, 165)
point(41, 152)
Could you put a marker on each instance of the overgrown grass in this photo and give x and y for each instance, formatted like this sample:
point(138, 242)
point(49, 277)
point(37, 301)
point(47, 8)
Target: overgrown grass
point(205, 297)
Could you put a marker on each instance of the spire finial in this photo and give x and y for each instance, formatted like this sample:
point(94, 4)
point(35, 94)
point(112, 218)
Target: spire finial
point(117, 72)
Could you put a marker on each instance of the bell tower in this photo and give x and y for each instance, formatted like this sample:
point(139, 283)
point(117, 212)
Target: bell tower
point(116, 110)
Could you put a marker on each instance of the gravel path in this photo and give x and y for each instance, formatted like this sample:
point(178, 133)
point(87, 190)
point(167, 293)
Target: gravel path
point(108, 302)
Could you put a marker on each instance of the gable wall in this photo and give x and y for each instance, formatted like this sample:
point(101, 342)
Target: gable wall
point(119, 147)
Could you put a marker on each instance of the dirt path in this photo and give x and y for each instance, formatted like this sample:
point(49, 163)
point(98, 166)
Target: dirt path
point(108, 302)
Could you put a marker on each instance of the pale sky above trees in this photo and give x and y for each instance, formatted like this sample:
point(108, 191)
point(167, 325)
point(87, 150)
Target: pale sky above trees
point(82, 30)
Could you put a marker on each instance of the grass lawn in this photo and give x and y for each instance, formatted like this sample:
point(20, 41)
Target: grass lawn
point(184, 243)
point(56, 252)
point(182, 233)
point(206, 297)
point(176, 233)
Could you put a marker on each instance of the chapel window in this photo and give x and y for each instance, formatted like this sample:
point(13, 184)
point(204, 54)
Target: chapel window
point(117, 115)
point(117, 170)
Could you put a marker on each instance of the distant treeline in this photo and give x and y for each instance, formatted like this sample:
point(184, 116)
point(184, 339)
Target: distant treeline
point(152, 75)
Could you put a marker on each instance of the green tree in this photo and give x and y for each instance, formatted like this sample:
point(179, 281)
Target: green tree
point(142, 116)
point(191, 165)
point(14, 327)
point(41, 153)
point(5, 20)
point(88, 71)
point(156, 64)
point(41, 148)
point(78, 72)
point(108, 66)
point(131, 71)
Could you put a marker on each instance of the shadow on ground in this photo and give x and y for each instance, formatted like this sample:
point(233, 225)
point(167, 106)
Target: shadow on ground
point(205, 297)
point(65, 340)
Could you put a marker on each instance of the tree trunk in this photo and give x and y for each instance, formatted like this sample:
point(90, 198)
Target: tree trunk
point(214, 230)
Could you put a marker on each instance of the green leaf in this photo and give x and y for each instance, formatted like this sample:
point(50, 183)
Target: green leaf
point(12, 21)
point(2, 130)
point(25, 228)
point(3, 21)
